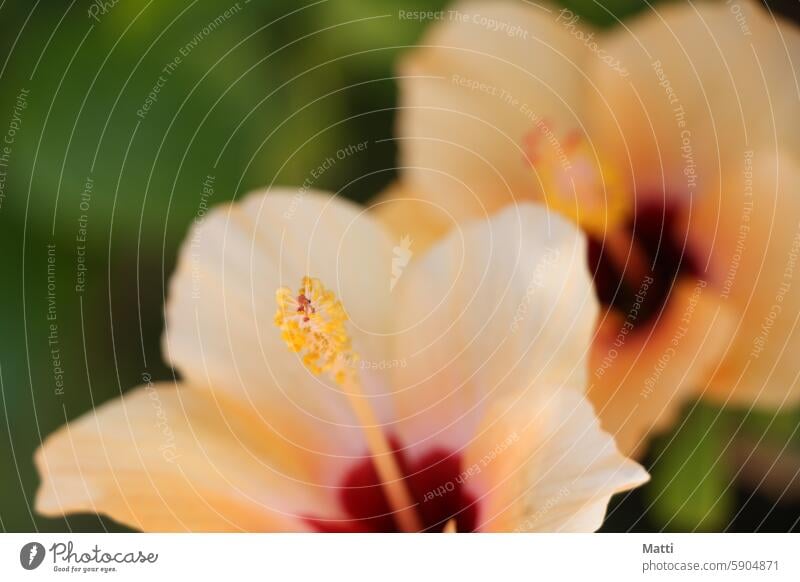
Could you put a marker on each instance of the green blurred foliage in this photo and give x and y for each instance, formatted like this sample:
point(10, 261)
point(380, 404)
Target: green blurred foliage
point(781, 429)
point(273, 91)
point(606, 13)
point(261, 100)
point(691, 479)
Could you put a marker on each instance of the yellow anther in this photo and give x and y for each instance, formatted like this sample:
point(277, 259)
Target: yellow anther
point(577, 183)
point(312, 323)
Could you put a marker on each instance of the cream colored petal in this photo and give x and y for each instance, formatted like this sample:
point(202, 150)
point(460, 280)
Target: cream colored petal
point(558, 471)
point(496, 308)
point(755, 250)
point(407, 214)
point(708, 81)
point(220, 314)
point(167, 459)
point(482, 80)
point(640, 380)
point(495, 461)
point(577, 470)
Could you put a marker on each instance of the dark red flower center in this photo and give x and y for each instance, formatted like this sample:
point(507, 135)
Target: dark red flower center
point(654, 233)
point(436, 482)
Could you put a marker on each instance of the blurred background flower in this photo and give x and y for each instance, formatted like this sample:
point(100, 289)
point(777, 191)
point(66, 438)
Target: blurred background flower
point(679, 168)
point(124, 122)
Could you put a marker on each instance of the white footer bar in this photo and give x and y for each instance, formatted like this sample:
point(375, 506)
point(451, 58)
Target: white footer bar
point(381, 557)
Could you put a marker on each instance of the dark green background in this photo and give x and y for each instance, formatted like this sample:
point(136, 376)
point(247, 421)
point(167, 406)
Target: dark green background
point(269, 94)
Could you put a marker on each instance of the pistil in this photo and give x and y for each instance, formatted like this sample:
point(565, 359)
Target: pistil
point(578, 183)
point(312, 323)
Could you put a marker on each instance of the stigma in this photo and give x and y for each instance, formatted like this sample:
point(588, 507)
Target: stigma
point(577, 182)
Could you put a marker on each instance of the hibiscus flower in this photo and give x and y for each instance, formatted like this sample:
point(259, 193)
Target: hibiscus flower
point(328, 386)
point(670, 140)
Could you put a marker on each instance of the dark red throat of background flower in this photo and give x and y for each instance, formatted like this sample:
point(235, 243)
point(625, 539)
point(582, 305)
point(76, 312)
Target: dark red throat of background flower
point(654, 230)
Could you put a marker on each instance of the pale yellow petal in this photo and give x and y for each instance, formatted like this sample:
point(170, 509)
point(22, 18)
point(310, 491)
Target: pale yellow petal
point(498, 307)
point(482, 80)
point(577, 471)
point(558, 471)
point(220, 330)
point(708, 81)
point(640, 379)
point(176, 459)
point(407, 214)
point(753, 241)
